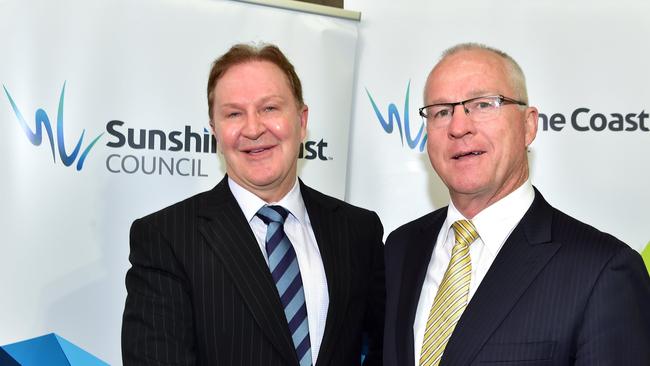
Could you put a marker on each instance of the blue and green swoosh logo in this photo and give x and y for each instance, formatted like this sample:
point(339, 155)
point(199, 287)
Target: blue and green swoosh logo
point(42, 123)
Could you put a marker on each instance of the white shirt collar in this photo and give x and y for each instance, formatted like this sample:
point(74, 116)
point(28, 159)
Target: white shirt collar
point(250, 203)
point(495, 223)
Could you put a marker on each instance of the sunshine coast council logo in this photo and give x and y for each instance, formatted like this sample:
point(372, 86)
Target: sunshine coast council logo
point(42, 122)
point(414, 143)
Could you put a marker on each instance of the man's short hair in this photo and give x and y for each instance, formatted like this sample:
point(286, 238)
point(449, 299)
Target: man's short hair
point(516, 74)
point(242, 53)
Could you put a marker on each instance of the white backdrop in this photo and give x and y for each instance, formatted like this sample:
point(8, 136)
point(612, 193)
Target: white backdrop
point(577, 54)
point(145, 63)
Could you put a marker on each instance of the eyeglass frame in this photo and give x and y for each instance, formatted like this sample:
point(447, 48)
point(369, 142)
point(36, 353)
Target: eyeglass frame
point(503, 100)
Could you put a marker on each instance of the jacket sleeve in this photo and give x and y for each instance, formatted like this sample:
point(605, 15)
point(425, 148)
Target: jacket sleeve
point(374, 320)
point(616, 323)
point(157, 321)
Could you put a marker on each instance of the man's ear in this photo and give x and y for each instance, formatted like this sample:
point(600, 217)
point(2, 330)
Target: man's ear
point(530, 124)
point(213, 129)
point(304, 114)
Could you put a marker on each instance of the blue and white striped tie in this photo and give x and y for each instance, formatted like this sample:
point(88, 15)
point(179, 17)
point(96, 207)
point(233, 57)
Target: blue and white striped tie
point(286, 274)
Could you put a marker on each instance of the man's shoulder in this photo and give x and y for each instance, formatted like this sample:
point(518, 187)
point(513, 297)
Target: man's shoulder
point(571, 231)
point(342, 207)
point(418, 225)
point(577, 238)
point(188, 207)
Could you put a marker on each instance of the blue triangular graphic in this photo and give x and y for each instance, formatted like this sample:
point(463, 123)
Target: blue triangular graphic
point(6, 360)
point(51, 350)
point(78, 357)
point(43, 350)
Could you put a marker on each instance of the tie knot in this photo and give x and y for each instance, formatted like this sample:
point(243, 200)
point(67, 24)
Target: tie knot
point(270, 214)
point(464, 232)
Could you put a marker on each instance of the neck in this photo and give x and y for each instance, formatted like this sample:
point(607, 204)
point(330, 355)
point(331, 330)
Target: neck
point(272, 195)
point(472, 204)
point(269, 193)
point(276, 193)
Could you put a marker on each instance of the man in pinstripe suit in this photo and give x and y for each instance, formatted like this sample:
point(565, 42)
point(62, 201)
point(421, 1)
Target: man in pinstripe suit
point(200, 289)
point(499, 277)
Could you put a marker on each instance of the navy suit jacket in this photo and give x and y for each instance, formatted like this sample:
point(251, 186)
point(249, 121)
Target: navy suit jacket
point(558, 293)
point(200, 291)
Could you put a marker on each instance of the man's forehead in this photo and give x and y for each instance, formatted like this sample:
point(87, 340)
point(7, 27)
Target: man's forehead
point(263, 68)
point(466, 74)
point(465, 60)
point(252, 76)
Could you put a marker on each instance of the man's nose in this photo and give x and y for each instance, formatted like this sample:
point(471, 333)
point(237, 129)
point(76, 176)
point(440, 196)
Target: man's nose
point(253, 126)
point(461, 124)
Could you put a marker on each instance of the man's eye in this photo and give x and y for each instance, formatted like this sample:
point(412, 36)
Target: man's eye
point(270, 108)
point(441, 113)
point(482, 105)
point(233, 114)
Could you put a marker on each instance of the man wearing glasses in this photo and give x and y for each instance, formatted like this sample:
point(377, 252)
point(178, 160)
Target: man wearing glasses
point(499, 276)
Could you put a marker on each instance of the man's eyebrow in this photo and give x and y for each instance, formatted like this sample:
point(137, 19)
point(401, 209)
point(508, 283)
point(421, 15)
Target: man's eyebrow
point(471, 95)
point(270, 97)
point(230, 105)
point(481, 93)
point(259, 101)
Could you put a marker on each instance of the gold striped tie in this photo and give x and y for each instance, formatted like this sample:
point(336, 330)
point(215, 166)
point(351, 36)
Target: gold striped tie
point(451, 299)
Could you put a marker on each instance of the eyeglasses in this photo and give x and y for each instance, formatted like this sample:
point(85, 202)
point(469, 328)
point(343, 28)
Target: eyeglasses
point(477, 109)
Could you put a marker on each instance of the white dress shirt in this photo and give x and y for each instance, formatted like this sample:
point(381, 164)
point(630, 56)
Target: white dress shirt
point(494, 224)
point(297, 226)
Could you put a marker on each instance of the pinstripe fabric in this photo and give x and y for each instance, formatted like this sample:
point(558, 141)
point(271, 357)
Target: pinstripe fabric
point(451, 298)
point(558, 293)
point(200, 291)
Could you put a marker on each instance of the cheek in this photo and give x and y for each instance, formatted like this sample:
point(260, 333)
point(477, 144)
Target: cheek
point(431, 150)
point(227, 135)
point(277, 128)
point(284, 129)
point(435, 143)
point(508, 149)
point(435, 155)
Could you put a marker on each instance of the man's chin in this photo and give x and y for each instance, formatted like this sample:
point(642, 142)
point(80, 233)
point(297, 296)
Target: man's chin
point(467, 188)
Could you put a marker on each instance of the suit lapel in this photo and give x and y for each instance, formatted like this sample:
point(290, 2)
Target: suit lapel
point(524, 254)
point(331, 232)
point(228, 233)
point(416, 261)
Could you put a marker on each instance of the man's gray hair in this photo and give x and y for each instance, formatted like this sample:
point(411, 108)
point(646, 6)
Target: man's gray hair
point(517, 78)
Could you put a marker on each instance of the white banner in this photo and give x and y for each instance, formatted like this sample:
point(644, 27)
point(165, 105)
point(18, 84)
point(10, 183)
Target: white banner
point(104, 120)
point(586, 64)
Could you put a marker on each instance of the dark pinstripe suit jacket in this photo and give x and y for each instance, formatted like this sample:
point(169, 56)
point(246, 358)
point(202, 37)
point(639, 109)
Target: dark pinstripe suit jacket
point(558, 293)
point(200, 292)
